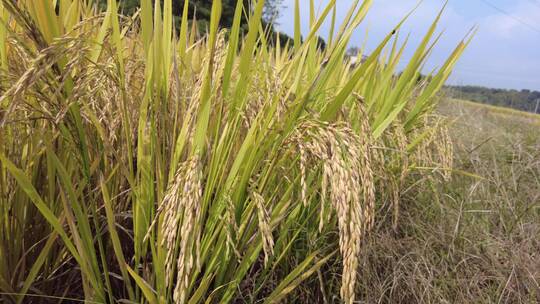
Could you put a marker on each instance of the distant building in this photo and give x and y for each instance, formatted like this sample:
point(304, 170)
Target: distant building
point(354, 59)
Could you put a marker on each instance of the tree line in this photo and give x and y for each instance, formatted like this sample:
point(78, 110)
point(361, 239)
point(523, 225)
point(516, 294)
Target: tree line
point(524, 100)
point(200, 10)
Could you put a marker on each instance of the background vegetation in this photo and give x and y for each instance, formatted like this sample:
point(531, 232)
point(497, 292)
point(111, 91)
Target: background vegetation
point(200, 10)
point(524, 100)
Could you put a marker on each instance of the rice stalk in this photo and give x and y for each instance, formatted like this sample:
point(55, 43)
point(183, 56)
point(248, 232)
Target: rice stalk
point(200, 167)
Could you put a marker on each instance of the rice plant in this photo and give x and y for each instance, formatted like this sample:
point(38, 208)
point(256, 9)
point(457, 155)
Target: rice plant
point(147, 164)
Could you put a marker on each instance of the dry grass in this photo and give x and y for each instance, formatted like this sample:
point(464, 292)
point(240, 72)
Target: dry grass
point(471, 239)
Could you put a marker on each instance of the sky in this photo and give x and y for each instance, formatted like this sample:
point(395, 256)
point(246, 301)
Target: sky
point(505, 53)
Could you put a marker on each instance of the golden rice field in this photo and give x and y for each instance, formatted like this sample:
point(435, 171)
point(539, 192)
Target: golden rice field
point(140, 163)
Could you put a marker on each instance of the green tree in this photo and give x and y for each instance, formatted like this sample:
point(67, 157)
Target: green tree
point(200, 9)
point(525, 100)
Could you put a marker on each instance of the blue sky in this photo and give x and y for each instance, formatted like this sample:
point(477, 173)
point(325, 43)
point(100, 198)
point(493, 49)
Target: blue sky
point(505, 53)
